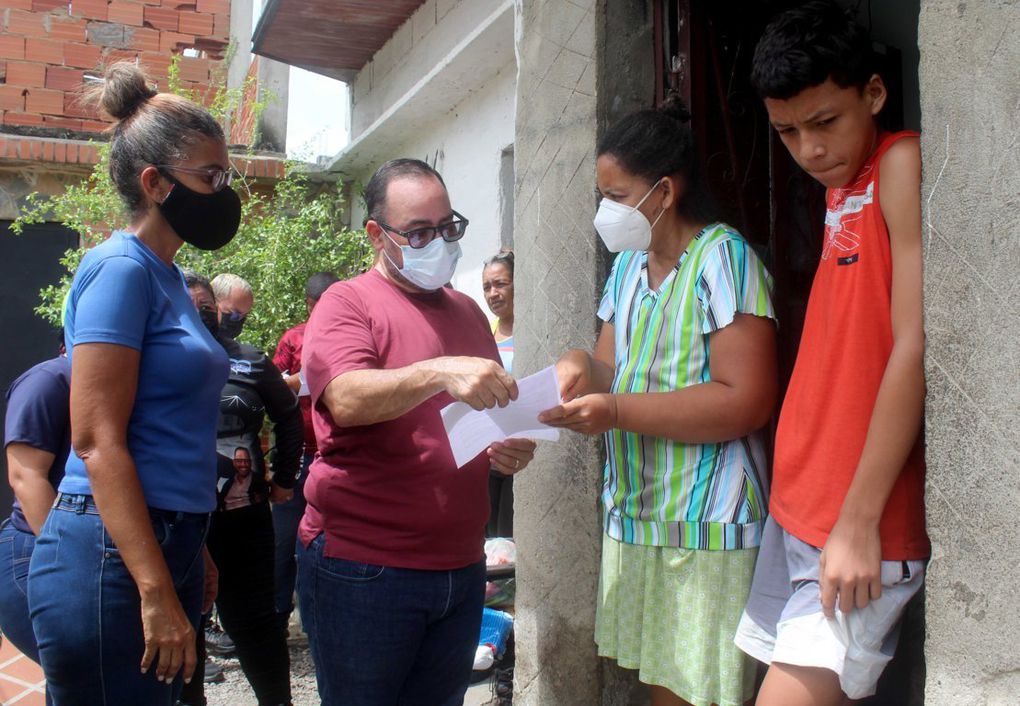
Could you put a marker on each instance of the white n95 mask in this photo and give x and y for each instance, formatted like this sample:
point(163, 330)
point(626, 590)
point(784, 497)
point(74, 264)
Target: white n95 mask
point(623, 227)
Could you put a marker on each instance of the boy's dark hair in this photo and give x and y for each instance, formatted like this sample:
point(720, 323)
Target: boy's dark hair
point(318, 284)
point(653, 144)
point(375, 190)
point(805, 46)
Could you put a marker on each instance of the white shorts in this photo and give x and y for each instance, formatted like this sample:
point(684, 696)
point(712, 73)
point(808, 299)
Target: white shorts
point(783, 620)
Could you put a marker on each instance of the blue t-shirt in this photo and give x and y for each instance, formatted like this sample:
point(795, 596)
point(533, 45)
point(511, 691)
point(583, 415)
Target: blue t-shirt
point(38, 415)
point(125, 295)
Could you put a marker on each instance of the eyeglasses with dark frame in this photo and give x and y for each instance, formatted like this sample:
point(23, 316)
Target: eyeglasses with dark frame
point(217, 178)
point(418, 238)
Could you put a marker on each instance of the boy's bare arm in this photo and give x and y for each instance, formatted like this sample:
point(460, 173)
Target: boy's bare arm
point(850, 569)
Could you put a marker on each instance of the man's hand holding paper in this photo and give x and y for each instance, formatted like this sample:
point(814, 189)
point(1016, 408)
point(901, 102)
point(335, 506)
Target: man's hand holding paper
point(505, 431)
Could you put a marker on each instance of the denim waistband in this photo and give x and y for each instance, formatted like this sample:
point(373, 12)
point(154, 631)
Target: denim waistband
point(86, 505)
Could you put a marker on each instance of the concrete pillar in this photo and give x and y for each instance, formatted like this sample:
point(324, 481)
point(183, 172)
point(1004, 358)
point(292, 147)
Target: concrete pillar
point(240, 41)
point(273, 78)
point(969, 107)
point(274, 81)
point(572, 74)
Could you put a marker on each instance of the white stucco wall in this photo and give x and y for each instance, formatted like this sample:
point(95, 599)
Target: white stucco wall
point(427, 106)
point(466, 145)
point(416, 47)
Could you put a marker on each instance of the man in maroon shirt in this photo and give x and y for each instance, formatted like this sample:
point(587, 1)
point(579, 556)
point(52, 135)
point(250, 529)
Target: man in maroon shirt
point(286, 516)
point(391, 571)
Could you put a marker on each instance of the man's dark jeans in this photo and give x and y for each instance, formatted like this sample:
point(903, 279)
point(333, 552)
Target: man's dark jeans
point(286, 518)
point(383, 636)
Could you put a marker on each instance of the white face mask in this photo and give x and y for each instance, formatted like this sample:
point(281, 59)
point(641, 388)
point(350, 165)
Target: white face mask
point(624, 227)
point(430, 267)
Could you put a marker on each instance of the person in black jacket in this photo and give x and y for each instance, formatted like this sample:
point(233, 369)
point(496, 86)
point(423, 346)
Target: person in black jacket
point(241, 539)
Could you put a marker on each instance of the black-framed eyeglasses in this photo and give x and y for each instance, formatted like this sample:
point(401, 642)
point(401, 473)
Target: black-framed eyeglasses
point(418, 238)
point(216, 178)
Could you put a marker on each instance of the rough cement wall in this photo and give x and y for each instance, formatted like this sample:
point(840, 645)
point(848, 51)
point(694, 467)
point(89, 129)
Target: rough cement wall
point(414, 49)
point(556, 522)
point(240, 36)
point(970, 105)
point(563, 50)
point(273, 81)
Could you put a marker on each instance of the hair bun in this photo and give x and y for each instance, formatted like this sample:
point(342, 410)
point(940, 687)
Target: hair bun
point(124, 90)
point(674, 107)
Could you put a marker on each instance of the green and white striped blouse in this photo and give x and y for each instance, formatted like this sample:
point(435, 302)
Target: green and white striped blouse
point(667, 493)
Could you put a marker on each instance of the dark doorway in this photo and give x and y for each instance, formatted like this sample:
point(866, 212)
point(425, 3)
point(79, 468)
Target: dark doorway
point(703, 52)
point(31, 261)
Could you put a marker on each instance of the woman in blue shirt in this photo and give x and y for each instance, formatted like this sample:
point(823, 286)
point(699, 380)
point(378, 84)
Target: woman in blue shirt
point(116, 579)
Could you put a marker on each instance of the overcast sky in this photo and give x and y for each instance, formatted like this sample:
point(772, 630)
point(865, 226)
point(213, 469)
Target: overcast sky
point(317, 119)
point(317, 111)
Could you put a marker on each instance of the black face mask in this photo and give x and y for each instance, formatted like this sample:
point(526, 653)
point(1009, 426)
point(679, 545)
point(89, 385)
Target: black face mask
point(210, 319)
point(207, 221)
point(230, 326)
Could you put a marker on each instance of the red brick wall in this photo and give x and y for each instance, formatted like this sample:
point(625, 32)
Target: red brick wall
point(46, 47)
point(17, 149)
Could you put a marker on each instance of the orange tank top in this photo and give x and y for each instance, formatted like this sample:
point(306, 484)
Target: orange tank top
point(843, 353)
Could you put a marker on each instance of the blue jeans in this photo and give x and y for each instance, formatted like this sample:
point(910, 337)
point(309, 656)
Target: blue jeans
point(15, 553)
point(86, 610)
point(286, 518)
point(382, 636)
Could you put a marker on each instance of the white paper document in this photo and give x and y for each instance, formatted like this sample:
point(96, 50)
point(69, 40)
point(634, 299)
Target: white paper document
point(303, 391)
point(471, 432)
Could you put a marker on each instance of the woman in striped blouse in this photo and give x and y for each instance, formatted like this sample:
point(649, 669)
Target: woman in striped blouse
point(681, 382)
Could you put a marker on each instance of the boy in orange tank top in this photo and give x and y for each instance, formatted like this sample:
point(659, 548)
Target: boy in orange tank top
point(845, 546)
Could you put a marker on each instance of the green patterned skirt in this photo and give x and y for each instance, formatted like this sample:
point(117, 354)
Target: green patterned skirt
point(672, 613)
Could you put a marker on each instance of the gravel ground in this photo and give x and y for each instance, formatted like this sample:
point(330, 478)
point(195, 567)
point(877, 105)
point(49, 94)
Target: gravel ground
point(235, 690)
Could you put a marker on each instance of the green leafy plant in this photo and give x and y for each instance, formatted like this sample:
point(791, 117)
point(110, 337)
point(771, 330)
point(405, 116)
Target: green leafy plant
point(287, 234)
